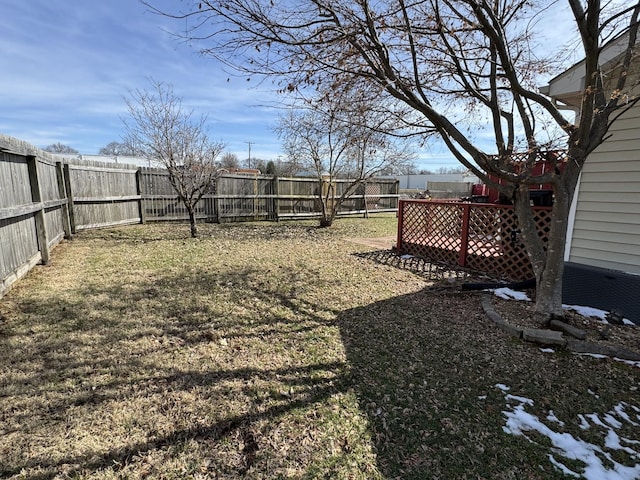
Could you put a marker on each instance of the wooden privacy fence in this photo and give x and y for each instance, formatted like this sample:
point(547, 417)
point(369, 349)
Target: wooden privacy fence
point(481, 237)
point(45, 199)
point(33, 215)
point(102, 194)
point(237, 197)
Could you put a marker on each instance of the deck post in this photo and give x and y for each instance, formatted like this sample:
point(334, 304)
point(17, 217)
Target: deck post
point(400, 224)
point(464, 235)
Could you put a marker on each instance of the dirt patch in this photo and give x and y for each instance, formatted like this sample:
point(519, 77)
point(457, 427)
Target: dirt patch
point(382, 243)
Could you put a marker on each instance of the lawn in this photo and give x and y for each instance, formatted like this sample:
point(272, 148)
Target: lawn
point(279, 351)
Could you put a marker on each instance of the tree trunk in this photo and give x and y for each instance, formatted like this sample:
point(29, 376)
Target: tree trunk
point(547, 260)
point(549, 280)
point(327, 214)
point(192, 222)
point(326, 222)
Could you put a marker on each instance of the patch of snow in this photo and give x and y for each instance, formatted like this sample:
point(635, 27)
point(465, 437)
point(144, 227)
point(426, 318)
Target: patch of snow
point(593, 312)
point(584, 425)
point(522, 400)
point(503, 387)
point(593, 355)
point(509, 294)
point(593, 393)
point(552, 418)
point(612, 441)
point(599, 463)
point(595, 419)
point(633, 363)
point(612, 421)
point(587, 311)
point(563, 468)
point(482, 397)
point(406, 256)
point(547, 350)
point(619, 410)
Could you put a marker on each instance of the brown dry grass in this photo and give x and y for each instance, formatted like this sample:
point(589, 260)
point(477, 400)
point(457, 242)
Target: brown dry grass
point(266, 351)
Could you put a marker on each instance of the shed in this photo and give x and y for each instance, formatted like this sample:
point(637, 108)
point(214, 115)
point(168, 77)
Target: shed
point(603, 241)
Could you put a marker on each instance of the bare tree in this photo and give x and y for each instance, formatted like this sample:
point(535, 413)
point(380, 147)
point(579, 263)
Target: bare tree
point(168, 135)
point(452, 62)
point(287, 167)
point(229, 161)
point(117, 149)
point(337, 140)
point(256, 163)
point(60, 148)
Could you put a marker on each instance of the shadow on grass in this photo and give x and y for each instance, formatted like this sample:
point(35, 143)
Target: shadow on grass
point(426, 366)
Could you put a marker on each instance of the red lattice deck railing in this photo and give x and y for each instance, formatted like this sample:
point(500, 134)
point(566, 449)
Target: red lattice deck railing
point(480, 237)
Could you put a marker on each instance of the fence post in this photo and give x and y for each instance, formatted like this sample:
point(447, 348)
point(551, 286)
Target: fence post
point(216, 198)
point(36, 197)
point(364, 199)
point(139, 192)
point(464, 235)
point(254, 202)
point(276, 197)
point(62, 193)
point(69, 189)
point(396, 191)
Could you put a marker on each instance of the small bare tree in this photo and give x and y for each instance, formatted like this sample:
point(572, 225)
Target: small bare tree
point(337, 140)
point(162, 131)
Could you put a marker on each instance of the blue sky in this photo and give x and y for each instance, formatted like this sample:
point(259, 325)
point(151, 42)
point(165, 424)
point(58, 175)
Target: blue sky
point(67, 65)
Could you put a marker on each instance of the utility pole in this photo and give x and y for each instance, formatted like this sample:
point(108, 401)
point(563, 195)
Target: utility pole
point(249, 161)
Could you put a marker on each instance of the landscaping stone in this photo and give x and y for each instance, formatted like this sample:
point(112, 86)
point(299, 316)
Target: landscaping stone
point(497, 319)
point(543, 336)
point(568, 329)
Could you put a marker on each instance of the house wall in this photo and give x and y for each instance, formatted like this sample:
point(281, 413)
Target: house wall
point(606, 229)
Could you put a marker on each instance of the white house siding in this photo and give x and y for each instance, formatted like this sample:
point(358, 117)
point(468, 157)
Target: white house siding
point(606, 231)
